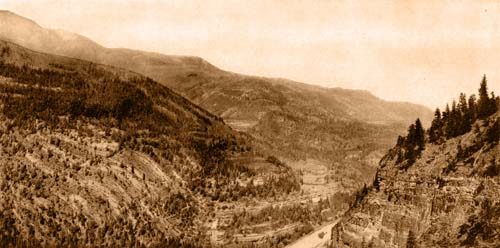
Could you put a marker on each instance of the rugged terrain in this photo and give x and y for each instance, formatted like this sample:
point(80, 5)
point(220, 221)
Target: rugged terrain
point(95, 155)
point(447, 197)
point(137, 152)
point(347, 131)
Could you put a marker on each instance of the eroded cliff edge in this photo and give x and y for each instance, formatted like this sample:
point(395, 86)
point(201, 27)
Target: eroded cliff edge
point(449, 197)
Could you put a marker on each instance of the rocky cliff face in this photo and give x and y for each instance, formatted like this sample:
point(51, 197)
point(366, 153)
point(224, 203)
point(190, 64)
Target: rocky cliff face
point(447, 198)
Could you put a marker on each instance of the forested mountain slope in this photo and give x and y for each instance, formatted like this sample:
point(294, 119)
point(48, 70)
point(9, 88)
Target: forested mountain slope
point(294, 120)
point(93, 155)
point(438, 188)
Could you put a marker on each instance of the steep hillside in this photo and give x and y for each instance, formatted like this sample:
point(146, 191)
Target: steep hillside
point(98, 156)
point(434, 190)
point(296, 121)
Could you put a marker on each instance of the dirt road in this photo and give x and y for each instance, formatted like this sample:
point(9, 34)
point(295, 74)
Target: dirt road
point(313, 240)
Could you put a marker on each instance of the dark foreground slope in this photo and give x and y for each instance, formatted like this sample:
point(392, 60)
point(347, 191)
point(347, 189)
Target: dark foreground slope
point(444, 195)
point(93, 155)
point(296, 121)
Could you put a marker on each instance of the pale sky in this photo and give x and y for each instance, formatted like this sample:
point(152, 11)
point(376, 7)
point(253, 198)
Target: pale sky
point(419, 51)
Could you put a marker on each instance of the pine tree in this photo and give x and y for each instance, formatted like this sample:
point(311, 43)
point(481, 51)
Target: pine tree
point(484, 100)
point(464, 121)
point(410, 138)
point(414, 142)
point(446, 114)
point(436, 129)
point(410, 154)
point(419, 135)
point(462, 103)
point(493, 104)
point(472, 114)
point(451, 122)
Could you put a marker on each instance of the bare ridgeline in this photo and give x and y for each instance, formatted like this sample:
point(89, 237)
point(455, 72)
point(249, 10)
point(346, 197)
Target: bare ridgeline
point(120, 148)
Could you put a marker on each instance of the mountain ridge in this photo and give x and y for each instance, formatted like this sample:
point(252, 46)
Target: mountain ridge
point(346, 130)
point(29, 34)
point(183, 65)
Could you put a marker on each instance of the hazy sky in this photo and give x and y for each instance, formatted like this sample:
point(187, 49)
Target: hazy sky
point(419, 51)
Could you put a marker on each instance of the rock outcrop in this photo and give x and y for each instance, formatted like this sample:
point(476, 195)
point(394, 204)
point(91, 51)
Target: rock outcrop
point(448, 198)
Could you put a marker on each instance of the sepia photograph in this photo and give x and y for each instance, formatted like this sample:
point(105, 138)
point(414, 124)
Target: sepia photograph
point(249, 124)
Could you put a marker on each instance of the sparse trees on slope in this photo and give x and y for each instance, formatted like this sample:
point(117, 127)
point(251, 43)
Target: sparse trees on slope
point(460, 118)
point(449, 124)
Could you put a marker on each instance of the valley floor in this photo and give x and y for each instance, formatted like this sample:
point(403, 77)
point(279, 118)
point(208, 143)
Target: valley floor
point(299, 219)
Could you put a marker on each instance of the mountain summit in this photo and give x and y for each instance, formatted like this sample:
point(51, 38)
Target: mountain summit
point(28, 33)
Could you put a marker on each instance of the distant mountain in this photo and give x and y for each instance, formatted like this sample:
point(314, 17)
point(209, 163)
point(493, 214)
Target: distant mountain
point(347, 130)
point(174, 71)
point(295, 120)
point(94, 155)
point(442, 192)
point(27, 33)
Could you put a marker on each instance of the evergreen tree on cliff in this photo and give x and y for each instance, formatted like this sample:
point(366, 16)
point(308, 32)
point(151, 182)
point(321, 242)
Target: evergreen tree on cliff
point(419, 135)
point(410, 153)
point(446, 115)
point(472, 110)
point(451, 122)
point(485, 108)
point(463, 107)
point(414, 142)
point(493, 106)
point(436, 129)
